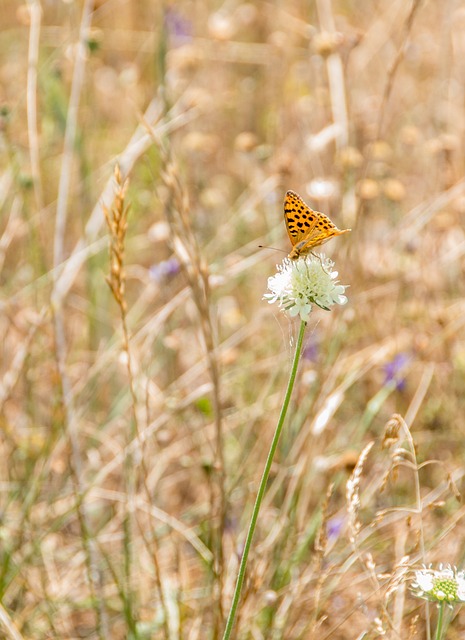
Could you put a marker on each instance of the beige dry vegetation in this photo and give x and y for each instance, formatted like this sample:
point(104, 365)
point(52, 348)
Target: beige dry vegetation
point(134, 427)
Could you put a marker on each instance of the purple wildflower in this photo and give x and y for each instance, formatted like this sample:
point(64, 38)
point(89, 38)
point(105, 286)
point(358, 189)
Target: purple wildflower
point(394, 370)
point(164, 270)
point(334, 527)
point(178, 27)
point(310, 351)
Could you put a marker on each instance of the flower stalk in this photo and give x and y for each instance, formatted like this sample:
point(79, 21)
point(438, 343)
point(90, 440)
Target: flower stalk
point(263, 483)
point(296, 287)
point(440, 621)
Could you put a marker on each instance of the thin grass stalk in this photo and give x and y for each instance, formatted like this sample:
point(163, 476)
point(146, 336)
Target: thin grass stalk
point(70, 134)
point(391, 74)
point(131, 478)
point(76, 467)
point(262, 486)
point(117, 224)
point(35, 12)
point(8, 626)
point(418, 501)
point(335, 71)
point(76, 464)
point(196, 271)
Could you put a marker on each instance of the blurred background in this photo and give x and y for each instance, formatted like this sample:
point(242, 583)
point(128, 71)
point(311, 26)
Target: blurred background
point(134, 427)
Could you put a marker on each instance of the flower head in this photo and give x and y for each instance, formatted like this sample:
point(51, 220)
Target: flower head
point(446, 584)
point(300, 283)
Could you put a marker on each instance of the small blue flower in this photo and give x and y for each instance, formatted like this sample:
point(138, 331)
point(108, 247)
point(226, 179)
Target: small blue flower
point(310, 351)
point(178, 27)
point(334, 527)
point(394, 370)
point(164, 270)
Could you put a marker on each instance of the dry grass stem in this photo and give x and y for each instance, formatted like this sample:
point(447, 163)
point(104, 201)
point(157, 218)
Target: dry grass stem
point(135, 415)
point(117, 222)
point(196, 270)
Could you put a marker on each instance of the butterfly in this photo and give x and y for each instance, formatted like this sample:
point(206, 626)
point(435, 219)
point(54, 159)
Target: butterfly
point(306, 228)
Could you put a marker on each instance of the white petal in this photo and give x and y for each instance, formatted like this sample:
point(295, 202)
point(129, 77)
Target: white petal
point(445, 574)
point(461, 589)
point(424, 580)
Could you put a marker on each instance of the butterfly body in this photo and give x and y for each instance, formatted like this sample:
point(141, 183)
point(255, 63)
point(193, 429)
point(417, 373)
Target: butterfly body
point(306, 228)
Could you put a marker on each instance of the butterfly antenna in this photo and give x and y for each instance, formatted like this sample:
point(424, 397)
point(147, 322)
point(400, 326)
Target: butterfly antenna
point(261, 246)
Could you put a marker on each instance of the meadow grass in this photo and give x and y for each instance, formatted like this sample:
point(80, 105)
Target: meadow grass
point(146, 148)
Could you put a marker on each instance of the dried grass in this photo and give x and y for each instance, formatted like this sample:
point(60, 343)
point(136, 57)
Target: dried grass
point(135, 419)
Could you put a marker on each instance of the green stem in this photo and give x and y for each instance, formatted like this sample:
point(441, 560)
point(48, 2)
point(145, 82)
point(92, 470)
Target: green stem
point(262, 487)
point(440, 618)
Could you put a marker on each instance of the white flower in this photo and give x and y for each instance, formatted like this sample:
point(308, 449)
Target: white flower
point(300, 283)
point(445, 584)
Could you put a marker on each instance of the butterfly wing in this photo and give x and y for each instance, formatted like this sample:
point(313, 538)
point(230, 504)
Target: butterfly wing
point(306, 228)
point(299, 218)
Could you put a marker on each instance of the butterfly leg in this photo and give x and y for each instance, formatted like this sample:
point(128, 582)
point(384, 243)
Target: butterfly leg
point(315, 255)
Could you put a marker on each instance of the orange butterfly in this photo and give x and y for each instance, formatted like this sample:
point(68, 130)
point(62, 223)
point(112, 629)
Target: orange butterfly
point(306, 228)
